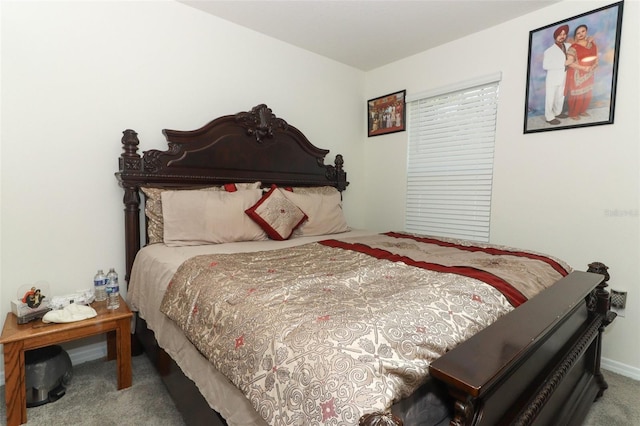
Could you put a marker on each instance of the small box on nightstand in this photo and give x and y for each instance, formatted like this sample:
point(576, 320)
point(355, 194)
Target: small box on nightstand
point(31, 303)
point(25, 313)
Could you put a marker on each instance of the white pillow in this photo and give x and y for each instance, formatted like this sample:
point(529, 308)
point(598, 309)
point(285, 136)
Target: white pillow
point(209, 217)
point(323, 209)
point(153, 205)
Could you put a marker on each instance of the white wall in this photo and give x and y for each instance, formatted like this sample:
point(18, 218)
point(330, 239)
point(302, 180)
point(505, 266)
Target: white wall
point(76, 74)
point(553, 191)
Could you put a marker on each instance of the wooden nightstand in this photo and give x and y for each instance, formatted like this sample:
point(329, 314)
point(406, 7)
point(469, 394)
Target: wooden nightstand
point(20, 338)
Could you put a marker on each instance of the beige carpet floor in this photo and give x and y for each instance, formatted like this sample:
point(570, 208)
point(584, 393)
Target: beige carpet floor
point(92, 400)
point(620, 404)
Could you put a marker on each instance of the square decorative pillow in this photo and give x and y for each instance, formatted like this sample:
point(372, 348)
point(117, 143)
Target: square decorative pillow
point(323, 208)
point(209, 217)
point(153, 205)
point(276, 215)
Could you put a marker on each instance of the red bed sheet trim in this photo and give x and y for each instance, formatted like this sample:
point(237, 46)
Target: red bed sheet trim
point(489, 250)
point(512, 294)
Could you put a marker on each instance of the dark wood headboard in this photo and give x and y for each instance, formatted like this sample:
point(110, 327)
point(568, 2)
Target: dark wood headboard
point(244, 147)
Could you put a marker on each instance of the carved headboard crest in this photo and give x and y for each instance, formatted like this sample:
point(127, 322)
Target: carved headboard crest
point(260, 121)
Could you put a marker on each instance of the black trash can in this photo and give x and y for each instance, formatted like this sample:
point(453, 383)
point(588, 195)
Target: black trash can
point(47, 374)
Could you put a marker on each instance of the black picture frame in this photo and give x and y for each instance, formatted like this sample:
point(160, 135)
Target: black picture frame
point(387, 114)
point(592, 47)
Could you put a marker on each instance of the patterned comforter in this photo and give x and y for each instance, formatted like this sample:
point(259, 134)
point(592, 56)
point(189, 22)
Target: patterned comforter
point(325, 332)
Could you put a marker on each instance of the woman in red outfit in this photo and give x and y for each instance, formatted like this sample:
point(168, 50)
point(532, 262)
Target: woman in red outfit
point(581, 72)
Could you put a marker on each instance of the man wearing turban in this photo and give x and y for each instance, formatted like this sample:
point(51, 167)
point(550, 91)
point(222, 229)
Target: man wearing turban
point(555, 63)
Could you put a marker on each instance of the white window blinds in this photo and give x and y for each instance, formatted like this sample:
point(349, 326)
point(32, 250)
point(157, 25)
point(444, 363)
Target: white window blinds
point(450, 162)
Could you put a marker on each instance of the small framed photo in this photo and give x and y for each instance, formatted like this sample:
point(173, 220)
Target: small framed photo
point(572, 71)
point(387, 114)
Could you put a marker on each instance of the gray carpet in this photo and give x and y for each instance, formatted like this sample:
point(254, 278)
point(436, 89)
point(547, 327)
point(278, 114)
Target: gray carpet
point(92, 400)
point(619, 405)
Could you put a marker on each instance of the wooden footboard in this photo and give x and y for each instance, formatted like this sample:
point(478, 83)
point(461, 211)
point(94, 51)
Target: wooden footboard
point(539, 364)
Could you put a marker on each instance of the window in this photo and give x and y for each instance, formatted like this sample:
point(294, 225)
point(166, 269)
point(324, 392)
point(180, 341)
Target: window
point(450, 160)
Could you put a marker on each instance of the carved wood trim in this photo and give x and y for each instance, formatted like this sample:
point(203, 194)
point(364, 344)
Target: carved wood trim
point(261, 122)
point(380, 418)
point(528, 415)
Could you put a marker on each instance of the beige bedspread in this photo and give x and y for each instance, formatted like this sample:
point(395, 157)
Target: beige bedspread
point(152, 271)
point(325, 332)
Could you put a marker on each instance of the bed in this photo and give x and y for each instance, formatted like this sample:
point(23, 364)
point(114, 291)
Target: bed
point(538, 363)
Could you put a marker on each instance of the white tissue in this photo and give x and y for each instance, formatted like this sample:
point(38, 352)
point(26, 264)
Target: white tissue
point(70, 313)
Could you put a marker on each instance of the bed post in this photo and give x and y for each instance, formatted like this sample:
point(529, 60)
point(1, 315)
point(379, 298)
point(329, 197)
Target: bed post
point(337, 173)
point(130, 161)
point(602, 306)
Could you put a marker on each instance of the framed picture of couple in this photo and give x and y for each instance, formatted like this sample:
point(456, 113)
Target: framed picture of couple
point(572, 71)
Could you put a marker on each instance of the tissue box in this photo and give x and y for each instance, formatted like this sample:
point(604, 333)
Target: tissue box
point(25, 313)
point(35, 295)
point(21, 309)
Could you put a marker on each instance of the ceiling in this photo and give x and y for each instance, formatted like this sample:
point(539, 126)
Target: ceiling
point(367, 34)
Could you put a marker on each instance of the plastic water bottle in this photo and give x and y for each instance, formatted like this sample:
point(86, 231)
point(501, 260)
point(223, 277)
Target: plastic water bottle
point(113, 290)
point(100, 286)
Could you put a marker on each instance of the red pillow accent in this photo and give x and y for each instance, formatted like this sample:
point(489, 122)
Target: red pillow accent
point(230, 187)
point(286, 188)
point(276, 215)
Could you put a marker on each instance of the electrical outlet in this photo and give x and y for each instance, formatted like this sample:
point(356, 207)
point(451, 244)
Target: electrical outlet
point(618, 302)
